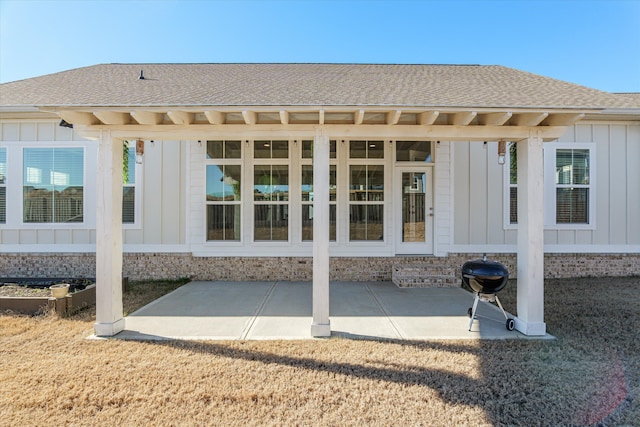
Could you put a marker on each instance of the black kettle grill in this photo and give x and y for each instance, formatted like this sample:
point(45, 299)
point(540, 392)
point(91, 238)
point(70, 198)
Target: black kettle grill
point(486, 279)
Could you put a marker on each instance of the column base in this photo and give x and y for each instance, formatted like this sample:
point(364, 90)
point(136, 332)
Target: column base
point(530, 328)
point(321, 330)
point(108, 329)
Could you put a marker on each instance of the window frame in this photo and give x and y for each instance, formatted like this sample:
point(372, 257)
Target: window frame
point(333, 162)
point(86, 203)
point(137, 189)
point(5, 182)
point(367, 162)
point(244, 191)
point(550, 186)
point(251, 203)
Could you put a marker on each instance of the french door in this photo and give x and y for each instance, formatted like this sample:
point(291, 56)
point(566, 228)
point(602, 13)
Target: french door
point(413, 210)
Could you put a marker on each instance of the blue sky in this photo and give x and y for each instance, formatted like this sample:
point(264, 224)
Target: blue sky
point(588, 42)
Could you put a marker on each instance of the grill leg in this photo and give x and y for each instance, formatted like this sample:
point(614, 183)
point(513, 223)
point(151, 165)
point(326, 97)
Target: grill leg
point(473, 310)
point(500, 305)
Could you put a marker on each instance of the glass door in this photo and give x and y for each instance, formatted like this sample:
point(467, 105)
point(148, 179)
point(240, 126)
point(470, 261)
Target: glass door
point(413, 214)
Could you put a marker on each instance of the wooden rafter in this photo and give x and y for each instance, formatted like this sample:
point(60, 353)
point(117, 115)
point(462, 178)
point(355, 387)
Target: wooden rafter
point(462, 118)
point(428, 117)
point(562, 119)
point(250, 117)
point(215, 117)
point(284, 117)
point(147, 117)
point(181, 117)
point(393, 117)
point(113, 117)
point(494, 119)
point(528, 119)
point(79, 118)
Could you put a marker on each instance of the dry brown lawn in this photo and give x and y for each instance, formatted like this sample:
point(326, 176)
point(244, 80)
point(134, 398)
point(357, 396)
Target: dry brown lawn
point(50, 374)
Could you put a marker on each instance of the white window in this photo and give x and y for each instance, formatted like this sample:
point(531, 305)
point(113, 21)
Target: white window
point(271, 191)
point(129, 185)
point(224, 190)
point(366, 190)
point(3, 185)
point(53, 185)
point(569, 185)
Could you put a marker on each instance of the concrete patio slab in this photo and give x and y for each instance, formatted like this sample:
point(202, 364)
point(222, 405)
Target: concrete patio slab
point(282, 310)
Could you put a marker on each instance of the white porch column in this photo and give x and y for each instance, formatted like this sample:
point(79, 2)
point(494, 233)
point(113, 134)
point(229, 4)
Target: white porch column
point(321, 326)
point(109, 316)
point(530, 320)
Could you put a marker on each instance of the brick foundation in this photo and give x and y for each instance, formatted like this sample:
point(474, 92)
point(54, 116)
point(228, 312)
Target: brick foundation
point(144, 266)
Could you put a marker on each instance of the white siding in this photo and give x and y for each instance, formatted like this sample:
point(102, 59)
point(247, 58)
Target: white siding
point(479, 194)
point(442, 198)
point(163, 191)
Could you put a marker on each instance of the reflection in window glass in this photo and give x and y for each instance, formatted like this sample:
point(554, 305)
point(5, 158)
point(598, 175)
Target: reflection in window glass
point(366, 149)
point(3, 187)
point(223, 182)
point(271, 183)
point(271, 149)
point(53, 185)
point(366, 222)
point(572, 181)
point(413, 151)
point(129, 188)
point(224, 149)
point(572, 166)
point(366, 182)
point(307, 149)
point(307, 222)
point(223, 197)
point(307, 199)
point(223, 222)
point(271, 222)
point(307, 183)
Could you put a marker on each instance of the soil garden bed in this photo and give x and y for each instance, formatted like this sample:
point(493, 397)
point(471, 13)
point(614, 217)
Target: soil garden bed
point(33, 296)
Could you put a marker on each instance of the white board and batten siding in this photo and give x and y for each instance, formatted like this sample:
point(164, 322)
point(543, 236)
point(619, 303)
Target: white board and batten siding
point(161, 178)
point(480, 195)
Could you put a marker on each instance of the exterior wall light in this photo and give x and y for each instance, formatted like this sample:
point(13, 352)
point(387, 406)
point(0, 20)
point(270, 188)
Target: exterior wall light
point(139, 151)
point(502, 152)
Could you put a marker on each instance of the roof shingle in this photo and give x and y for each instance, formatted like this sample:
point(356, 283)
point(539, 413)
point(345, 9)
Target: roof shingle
point(479, 86)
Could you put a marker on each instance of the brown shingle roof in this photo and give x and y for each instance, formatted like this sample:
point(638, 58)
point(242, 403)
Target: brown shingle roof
point(440, 86)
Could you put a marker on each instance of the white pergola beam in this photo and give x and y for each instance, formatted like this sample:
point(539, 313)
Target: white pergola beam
point(428, 117)
point(181, 117)
point(393, 117)
point(321, 325)
point(250, 117)
point(147, 117)
point(463, 118)
point(215, 117)
point(109, 312)
point(277, 130)
point(79, 118)
point(530, 263)
point(494, 119)
point(528, 119)
point(358, 117)
point(284, 117)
